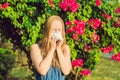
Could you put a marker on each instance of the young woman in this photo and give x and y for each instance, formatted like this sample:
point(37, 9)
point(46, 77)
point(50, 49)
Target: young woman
point(51, 57)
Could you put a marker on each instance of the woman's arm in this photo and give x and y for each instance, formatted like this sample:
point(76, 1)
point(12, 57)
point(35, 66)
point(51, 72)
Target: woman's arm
point(41, 65)
point(64, 60)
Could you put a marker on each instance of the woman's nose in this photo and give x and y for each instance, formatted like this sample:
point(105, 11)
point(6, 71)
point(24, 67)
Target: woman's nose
point(56, 30)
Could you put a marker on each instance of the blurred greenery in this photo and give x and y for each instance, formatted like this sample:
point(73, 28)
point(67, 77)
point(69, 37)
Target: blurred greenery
point(21, 72)
point(106, 69)
point(7, 60)
point(115, 3)
point(26, 20)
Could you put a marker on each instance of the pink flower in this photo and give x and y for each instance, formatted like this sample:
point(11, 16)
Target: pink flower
point(98, 2)
point(4, 6)
point(72, 5)
point(69, 23)
point(95, 37)
point(87, 48)
point(108, 49)
point(64, 5)
point(103, 14)
point(75, 36)
point(76, 21)
point(51, 3)
point(0, 5)
point(105, 50)
point(116, 57)
point(79, 27)
point(85, 72)
point(119, 54)
point(71, 2)
point(79, 30)
point(117, 24)
point(117, 10)
point(69, 30)
point(77, 63)
point(108, 17)
point(94, 23)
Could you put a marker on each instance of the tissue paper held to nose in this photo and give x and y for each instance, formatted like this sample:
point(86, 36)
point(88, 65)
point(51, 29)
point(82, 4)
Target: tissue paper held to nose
point(57, 35)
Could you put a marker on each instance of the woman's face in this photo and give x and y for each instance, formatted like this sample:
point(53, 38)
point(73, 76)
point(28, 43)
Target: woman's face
point(56, 26)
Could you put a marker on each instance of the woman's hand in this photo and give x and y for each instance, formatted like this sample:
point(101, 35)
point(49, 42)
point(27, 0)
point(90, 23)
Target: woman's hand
point(52, 44)
point(59, 44)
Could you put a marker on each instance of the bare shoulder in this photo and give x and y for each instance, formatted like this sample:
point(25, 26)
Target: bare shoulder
point(34, 46)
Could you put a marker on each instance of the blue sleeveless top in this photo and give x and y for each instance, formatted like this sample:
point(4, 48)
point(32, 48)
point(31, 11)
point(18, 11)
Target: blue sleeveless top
point(52, 74)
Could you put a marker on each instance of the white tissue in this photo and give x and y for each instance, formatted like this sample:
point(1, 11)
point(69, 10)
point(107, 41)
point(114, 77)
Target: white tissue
point(57, 35)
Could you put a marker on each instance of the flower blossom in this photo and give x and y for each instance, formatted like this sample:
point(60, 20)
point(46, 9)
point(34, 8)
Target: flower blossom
point(117, 24)
point(77, 63)
point(108, 17)
point(117, 10)
point(75, 36)
point(108, 49)
point(51, 3)
point(69, 30)
point(0, 5)
point(87, 48)
point(95, 37)
point(72, 5)
point(116, 57)
point(64, 5)
point(85, 72)
point(69, 23)
point(79, 27)
point(94, 23)
point(4, 6)
point(98, 2)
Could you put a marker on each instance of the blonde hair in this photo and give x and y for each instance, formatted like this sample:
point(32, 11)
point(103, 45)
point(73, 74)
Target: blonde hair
point(44, 43)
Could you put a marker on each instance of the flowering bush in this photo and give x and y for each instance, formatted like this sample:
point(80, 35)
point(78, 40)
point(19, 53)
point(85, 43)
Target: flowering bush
point(107, 50)
point(85, 72)
point(70, 5)
point(78, 71)
point(92, 28)
point(116, 57)
point(77, 63)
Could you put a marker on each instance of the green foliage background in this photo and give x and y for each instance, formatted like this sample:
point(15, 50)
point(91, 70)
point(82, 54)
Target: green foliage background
point(23, 21)
point(7, 60)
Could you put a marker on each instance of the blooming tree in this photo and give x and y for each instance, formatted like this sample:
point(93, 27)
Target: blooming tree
point(92, 28)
